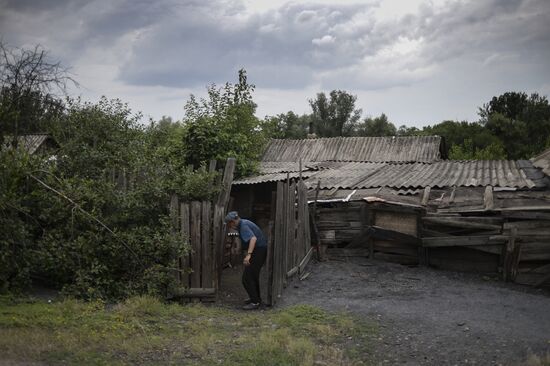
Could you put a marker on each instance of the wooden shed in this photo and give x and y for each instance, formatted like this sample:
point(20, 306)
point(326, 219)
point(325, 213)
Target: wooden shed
point(398, 199)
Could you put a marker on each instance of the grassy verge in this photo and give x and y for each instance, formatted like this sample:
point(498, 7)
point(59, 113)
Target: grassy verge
point(145, 331)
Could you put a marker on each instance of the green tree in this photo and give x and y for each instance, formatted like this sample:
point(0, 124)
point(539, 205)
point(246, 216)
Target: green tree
point(520, 121)
point(224, 125)
point(287, 126)
point(456, 133)
point(467, 151)
point(334, 116)
point(378, 126)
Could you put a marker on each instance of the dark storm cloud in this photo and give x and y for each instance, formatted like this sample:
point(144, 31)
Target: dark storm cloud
point(191, 43)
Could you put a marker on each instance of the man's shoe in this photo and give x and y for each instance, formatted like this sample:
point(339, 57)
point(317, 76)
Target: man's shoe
point(247, 301)
point(251, 306)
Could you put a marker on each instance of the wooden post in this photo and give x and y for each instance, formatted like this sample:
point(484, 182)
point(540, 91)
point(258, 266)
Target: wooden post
point(426, 196)
point(488, 198)
point(218, 240)
point(227, 180)
point(318, 245)
point(278, 244)
point(269, 262)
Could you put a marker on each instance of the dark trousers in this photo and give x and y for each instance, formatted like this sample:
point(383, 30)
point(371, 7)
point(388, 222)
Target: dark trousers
point(251, 274)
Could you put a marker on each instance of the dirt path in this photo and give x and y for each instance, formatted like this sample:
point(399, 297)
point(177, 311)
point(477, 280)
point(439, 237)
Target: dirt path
point(430, 317)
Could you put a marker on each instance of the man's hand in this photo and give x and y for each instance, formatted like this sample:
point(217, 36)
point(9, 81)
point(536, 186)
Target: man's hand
point(246, 260)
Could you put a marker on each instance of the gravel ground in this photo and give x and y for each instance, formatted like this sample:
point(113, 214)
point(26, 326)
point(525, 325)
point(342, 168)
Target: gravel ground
point(431, 317)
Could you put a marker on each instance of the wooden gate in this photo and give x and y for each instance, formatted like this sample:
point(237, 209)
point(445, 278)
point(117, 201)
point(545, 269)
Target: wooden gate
point(290, 249)
point(202, 224)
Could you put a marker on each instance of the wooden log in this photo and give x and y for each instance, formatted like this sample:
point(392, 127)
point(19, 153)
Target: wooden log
point(195, 240)
point(184, 232)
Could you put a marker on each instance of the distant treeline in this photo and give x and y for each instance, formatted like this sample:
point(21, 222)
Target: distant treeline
point(514, 125)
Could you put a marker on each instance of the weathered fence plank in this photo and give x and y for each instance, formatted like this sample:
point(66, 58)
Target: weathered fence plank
point(184, 232)
point(207, 257)
point(195, 237)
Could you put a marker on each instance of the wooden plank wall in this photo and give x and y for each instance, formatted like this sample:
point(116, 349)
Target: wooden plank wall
point(514, 243)
point(291, 247)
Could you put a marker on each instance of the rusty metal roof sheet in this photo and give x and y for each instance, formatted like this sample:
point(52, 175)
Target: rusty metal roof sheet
point(361, 149)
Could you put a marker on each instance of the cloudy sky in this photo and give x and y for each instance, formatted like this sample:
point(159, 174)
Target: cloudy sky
point(418, 61)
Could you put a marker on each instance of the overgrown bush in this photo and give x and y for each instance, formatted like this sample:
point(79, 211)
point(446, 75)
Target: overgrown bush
point(71, 225)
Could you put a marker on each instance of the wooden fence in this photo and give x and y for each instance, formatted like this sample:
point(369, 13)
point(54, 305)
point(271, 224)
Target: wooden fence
point(202, 225)
point(290, 248)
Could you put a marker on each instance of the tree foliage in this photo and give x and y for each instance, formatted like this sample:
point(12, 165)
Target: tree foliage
point(334, 116)
point(286, 126)
point(223, 125)
point(520, 121)
point(377, 126)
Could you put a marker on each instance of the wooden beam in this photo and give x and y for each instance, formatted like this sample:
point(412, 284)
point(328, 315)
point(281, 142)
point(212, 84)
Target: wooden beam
point(305, 260)
point(386, 234)
point(292, 272)
point(455, 241)
point(459, 222)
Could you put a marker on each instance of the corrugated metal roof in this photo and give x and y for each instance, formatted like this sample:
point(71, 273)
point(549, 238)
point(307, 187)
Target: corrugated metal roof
point(542, 161)
point(272, 177)
point(31, 143)
point(448, 173)
point(270, 167)
point(360, 149)
point(501, 173)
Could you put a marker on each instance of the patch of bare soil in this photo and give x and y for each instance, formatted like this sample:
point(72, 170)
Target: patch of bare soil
point(431, 317)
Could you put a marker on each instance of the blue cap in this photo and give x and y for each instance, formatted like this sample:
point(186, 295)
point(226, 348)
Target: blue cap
point(233, 215)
